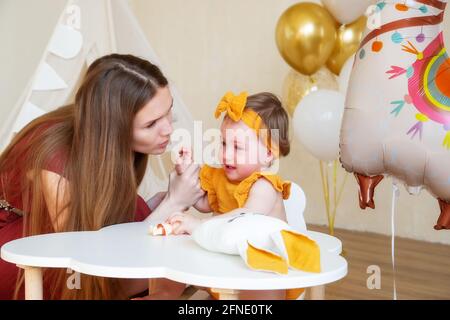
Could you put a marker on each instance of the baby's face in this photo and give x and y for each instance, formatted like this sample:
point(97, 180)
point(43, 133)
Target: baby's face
point(242, 153)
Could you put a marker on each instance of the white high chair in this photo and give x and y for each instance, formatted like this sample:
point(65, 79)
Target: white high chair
point(295, 206)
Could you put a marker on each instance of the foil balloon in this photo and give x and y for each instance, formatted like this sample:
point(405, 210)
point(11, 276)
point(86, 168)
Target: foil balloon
point(397, 115)
point(305, 36)
point(344, 76)
point(347, 42)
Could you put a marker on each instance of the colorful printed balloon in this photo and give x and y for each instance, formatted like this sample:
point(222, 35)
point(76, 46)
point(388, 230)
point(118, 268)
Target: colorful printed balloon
point(397, 116)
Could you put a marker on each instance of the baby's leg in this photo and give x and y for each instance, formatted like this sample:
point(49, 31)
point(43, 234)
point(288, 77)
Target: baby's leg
point(262, 295)
point(163, 289)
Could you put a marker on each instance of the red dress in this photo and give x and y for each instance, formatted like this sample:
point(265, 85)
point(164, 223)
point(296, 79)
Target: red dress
point(11, 229)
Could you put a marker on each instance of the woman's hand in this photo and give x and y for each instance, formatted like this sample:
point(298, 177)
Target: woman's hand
point(184, 190)
point(184, 160)
point(183, 223)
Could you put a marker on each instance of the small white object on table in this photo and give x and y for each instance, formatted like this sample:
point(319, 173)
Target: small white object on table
point(128, 251)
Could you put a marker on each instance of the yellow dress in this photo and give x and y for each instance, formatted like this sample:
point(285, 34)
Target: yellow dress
point(224, 196)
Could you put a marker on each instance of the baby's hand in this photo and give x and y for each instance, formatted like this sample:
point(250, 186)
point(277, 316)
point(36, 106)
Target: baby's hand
point(161, 229)
point(183, 223)
point(183, 161)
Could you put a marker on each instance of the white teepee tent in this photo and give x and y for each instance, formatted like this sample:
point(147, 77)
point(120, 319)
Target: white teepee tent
point(85, 31)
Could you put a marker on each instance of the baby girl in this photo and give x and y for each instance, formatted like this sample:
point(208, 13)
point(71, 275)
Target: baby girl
point(254, 134)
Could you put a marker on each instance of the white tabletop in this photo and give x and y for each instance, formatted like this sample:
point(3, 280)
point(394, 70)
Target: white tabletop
point(127, 251)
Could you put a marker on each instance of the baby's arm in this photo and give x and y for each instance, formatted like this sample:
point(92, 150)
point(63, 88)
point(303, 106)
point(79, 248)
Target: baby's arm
point(261, 198)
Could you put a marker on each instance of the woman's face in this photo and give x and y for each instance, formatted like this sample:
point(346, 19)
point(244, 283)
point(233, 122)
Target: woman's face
point(152, 125)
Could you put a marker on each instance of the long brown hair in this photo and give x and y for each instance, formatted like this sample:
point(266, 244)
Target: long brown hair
point(94, 137)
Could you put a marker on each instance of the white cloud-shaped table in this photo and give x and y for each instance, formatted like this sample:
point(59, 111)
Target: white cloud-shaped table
point(127, 251)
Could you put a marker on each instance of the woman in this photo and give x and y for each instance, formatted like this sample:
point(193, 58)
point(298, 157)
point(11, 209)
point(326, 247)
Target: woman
point(78, 168)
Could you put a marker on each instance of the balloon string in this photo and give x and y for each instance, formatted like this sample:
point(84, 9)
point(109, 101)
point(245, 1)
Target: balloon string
point(395, 194)
point(333, 215)
point(341, 189)
point(334, 185)
point(326, 194)
point(330, 218)
point(337, 192)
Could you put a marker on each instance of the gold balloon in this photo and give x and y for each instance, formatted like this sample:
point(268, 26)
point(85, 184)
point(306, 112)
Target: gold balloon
point(296, 86)
point(347, 43)
point(305, 36)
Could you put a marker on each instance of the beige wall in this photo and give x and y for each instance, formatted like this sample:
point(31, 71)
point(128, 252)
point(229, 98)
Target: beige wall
point(208, 47)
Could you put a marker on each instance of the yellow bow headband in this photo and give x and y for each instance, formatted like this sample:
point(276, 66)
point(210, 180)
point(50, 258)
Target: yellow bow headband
point(234, 106)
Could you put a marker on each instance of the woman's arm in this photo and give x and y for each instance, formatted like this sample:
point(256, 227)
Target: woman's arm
point(154, 201)
point(56, 195)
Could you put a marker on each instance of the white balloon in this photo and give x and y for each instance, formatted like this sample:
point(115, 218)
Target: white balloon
point(344, 76)
point(317, 123)
point(346, 11)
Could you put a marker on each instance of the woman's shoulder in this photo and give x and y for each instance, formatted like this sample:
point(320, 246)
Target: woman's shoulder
point(56, 162)
point(37, 142)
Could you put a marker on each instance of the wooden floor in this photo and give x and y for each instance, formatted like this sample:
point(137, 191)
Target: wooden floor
point(422, 268)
